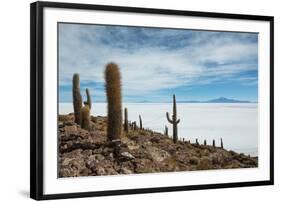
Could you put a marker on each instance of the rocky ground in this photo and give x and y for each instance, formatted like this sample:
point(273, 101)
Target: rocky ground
point(87, 153)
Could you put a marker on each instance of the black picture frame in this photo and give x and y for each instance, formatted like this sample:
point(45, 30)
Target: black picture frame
point(36, 98)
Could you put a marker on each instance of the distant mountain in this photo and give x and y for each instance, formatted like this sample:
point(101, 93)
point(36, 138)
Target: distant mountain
point(217, 100)
point(225, 100)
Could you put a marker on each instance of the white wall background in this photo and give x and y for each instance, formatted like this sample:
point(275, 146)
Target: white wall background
point(14, 100)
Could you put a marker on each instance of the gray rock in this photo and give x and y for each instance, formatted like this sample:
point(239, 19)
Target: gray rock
point(205, 163)
point(69, 123)
point(193, 161)
point(125, 171)
point(126, 156)
point(70, 129)
point(60, 124)
point(99, 170)
point(157, 155)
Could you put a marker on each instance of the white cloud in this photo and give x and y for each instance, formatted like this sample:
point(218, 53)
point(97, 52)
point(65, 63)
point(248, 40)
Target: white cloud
point(147, 67)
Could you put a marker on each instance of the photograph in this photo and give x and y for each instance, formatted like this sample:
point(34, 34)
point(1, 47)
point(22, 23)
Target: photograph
point(133, 100)
point(139, 99)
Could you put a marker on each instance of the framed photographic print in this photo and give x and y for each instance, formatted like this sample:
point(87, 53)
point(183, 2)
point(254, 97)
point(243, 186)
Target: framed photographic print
point(136, 100)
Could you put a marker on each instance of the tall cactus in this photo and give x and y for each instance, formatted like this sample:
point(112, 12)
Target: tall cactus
point(205, 142)
point(114, 105)
point(140, 122)
point(174, 120)
point(77, 98)
point(126, 124)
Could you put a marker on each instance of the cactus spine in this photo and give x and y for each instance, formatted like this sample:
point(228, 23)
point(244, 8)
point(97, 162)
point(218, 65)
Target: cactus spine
point(114, 105)
point(126, 124)
point(77, 98)
point(221, 143)
point(140, 122)
point(174, 120)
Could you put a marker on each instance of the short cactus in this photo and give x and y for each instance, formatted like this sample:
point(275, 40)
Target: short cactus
point(126, 123)
point(221, 143)
point(214, 143)
point(134, 125)
point(140, 122)
point(114, 104)
point(166, 131)
point(86, 111)
point(85, 117)
point(77, 98)
point(174, 120)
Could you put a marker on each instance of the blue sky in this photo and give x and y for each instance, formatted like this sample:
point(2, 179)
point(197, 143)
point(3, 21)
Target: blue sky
point(156, 63)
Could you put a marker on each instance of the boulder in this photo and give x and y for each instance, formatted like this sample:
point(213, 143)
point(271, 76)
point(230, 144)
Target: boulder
point(193, 161)
point(205, 163)
point(155, 139)
point(126, 156)
point(99, 170)
point(126, 171)
point(70, 129)
point(157, 155)
point(71, 167)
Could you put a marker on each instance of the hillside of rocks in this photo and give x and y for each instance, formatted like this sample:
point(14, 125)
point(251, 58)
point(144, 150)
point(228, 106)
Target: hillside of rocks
point(87, 153)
